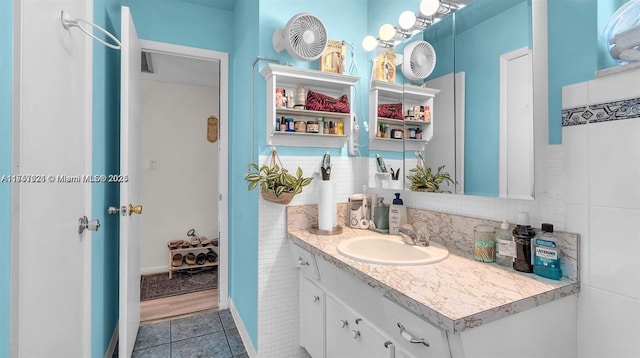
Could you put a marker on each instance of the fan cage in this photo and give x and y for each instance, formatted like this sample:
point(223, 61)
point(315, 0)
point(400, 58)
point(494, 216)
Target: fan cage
point(421, 57)
point(300, 30)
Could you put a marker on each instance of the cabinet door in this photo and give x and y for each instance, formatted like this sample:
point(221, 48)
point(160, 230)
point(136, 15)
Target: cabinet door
point(339, 322)
point(311, 317)
point(349, 336)
point(370, 343)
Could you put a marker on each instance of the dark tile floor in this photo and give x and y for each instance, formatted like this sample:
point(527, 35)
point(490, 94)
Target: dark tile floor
point(211, 335)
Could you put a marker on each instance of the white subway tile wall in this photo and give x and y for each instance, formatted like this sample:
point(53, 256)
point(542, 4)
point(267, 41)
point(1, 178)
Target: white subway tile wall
point(602, 195)
point(277, 278)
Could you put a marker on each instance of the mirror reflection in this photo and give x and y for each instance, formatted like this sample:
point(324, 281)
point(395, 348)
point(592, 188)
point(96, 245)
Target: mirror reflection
point(481, 134)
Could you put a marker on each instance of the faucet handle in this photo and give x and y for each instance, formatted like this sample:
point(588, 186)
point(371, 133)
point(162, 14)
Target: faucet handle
point(422, 233)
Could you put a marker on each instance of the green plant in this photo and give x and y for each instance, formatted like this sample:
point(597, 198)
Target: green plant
point(276, 178)
point(425, 180)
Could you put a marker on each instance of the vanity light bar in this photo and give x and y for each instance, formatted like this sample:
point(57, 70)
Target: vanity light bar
point(421, 22)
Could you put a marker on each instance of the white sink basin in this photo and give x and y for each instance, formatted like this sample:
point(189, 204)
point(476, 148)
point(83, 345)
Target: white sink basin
point(386, 251)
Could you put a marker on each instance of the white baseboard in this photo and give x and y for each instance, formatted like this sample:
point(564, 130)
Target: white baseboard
point(150, 270)
point(114, 341)
point(251, 352)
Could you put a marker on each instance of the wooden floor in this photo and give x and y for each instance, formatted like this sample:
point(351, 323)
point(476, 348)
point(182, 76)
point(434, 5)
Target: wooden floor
point(178, 306)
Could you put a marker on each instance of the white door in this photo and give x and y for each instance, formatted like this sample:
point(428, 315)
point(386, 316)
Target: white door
point(516, 125)
point(130, 58)
point(51, 260)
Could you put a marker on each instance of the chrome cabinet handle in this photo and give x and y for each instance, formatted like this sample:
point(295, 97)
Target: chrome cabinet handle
point(301, 262)
point(343, 323)
point(316, 298)
point(355, 334)
point(392, 349)
point(410, 338)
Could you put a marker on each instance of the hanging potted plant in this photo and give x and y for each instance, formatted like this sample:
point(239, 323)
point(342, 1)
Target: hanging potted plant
point(276, 183)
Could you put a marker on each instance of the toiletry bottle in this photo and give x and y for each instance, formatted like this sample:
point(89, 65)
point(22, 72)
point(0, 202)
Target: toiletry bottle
point(382, 168)
point(522, 235)
point(397, 215)
point(505, 247)
point(546, 261)
point(381, 215)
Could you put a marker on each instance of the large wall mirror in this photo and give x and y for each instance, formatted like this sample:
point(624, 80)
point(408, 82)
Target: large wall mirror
point(482, 128)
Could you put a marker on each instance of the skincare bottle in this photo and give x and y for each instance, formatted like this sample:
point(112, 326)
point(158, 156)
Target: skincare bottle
point(397, 215)
point(505, 247)
point(522, 235)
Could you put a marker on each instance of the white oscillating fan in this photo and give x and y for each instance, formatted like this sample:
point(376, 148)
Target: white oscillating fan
point(304, 37)
point(418, 60)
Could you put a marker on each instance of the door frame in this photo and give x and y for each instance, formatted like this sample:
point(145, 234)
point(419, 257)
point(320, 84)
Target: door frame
point(223, 138)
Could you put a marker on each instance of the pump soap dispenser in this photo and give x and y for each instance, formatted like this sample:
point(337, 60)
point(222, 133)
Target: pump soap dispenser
point(397, 215)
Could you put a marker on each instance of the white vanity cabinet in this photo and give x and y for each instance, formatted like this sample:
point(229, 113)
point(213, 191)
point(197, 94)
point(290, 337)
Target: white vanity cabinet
point(341, 316)
point(410, 97)
point(291, 79)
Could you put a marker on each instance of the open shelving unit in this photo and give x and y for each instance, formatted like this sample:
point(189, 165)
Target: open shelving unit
point(290, 78)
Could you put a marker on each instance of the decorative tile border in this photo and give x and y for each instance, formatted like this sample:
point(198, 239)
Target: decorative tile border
point(602, 112)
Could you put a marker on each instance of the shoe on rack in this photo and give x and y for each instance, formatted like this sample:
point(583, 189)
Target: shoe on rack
point(174, 244)
point(176, 260)
point(212, 256)
point(190, 258)
point(204, 241)
point(201, 259)
point(195, 241)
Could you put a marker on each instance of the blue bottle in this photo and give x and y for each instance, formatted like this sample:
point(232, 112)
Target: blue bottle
point(546, 262)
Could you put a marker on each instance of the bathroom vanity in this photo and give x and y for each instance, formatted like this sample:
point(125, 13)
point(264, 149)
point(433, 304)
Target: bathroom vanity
point(457, 307)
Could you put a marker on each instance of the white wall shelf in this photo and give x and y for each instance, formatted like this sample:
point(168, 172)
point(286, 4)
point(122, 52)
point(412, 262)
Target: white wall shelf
point(290, 78)
point(409, 96)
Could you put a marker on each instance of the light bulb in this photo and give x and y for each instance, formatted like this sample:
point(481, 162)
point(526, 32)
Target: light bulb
point(429, 7)
point(369, 43)
point(407, 19)
point(386, 32)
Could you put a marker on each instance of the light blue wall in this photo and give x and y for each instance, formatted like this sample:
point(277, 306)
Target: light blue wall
point(6, 23)
point(573, 38)
point(243, 205)
point(183, 23)
point(482, 75)
point(106, 126)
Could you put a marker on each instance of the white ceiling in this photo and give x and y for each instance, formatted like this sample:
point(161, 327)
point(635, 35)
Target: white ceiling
point(178, 69)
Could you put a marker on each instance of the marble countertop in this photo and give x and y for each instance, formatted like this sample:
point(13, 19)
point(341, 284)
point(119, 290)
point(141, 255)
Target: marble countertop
point(455, 294)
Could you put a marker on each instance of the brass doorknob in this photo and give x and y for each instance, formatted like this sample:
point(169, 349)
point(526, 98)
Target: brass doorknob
point(135, 209)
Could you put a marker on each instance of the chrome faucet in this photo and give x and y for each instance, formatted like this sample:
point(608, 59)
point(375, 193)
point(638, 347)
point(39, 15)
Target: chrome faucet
point(411, 236)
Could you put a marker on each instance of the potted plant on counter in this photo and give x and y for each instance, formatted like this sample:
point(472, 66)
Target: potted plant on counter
point(276, 183)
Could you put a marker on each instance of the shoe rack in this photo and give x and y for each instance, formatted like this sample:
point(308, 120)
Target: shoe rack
point(195, 250)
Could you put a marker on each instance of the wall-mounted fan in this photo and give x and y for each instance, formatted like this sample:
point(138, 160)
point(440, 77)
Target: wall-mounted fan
point(304, 37)
point(417, 60)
